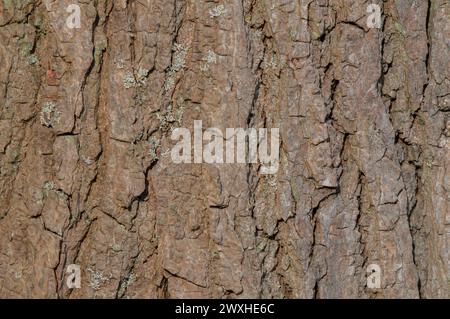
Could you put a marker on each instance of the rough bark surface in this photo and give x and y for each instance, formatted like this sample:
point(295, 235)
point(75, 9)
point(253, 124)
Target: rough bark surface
point(85, 175)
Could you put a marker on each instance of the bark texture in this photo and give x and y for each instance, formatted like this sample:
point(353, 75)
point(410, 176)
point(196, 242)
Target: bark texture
point(85, 175)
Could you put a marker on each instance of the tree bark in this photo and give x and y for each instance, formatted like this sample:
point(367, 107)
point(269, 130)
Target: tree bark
point(86, 176)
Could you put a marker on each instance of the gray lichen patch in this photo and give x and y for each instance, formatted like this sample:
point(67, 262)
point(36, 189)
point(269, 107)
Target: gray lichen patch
point(141, 76)
point(154, 144)
point(33, 60)
point(97, 279)
point(178, 63)
point(50, 115)
point(169, 117)
point(125, 283)
point(210, 58)
point(129, 81)
point(136, 79)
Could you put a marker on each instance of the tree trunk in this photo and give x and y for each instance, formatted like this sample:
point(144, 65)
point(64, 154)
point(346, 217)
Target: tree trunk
point(87, 176)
